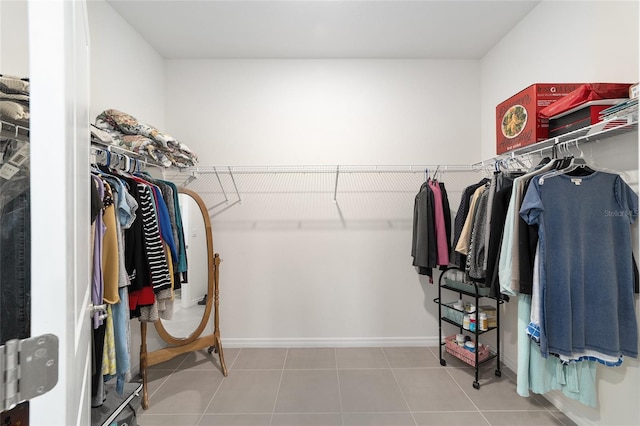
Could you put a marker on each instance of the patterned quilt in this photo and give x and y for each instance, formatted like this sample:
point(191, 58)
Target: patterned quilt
point(145, 140)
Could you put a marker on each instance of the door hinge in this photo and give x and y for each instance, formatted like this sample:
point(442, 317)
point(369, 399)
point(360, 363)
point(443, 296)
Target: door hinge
point(28, 368)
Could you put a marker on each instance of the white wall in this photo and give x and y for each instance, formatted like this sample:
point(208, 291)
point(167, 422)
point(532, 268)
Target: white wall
point(126, 72)
point(324, 286)
point(571, 42)
point(258, 112)
point(14, 38)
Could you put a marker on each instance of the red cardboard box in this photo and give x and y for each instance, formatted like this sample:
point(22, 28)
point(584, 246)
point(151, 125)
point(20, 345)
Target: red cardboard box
point(517, 121)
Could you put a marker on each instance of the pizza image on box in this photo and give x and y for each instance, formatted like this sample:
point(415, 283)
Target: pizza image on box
point(514, 121)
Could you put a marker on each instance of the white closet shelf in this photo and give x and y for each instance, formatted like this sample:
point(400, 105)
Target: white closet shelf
point(603, 130)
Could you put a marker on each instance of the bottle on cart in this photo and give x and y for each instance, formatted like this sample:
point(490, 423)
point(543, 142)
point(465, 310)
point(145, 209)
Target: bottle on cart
point(482, 321)
point(465, 322)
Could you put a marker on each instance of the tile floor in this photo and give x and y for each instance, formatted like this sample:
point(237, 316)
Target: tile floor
point(336, 387)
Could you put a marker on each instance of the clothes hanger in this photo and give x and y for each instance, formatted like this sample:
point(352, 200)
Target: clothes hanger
point(625, 176)
point(94, 167)
point(571, 164)
point(519, 164)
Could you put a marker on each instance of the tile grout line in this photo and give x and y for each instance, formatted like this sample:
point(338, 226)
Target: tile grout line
point(467, 395)
point(335, 355)
point(181, 362)
point(395, 379)
point(218, 388)
point(234, 361)
point(275, 401)
point(211, 400)
point(159, 386)
point(172, 372)
point(556, 417)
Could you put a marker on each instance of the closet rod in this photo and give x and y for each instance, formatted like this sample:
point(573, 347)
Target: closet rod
point(99, 146)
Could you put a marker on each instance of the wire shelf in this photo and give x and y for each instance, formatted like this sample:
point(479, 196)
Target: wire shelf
point(596, 132)
point(316, 197)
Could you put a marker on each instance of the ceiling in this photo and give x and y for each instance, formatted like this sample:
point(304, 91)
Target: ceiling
point(205, 29)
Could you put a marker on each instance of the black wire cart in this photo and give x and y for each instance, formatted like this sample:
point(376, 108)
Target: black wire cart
point(447, 313)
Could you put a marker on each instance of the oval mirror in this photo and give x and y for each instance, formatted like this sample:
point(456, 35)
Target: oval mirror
point(193, 300)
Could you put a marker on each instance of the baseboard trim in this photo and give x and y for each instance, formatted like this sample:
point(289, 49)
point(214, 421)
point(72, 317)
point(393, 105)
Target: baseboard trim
point(509, 362)
point(570, 408)
point(329, 342)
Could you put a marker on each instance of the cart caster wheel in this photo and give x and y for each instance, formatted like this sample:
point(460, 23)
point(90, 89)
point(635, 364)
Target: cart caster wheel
point(498, 373)
point(210, 350)
point(443, 362)
point(476, 385)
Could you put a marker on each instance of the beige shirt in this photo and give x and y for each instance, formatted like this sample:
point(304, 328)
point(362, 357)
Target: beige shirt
point(465, 236)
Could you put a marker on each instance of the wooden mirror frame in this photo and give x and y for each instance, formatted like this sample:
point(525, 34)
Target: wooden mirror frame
point(194, 341)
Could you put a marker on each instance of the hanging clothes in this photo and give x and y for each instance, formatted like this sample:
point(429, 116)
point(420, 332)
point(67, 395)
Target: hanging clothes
point(563, 247)
point(540, 375)
point(15, 245)
point(585, 246)
point(457, 258)
point(496, 232)
point(465, 235)
point(446, 210)
point(491, 192)
point(442, 245)
point(424, 246)
point(110, 256)
point(431, 242)
point(134, 247)
point(508, 265)
point(477, 250)
point(97, 285)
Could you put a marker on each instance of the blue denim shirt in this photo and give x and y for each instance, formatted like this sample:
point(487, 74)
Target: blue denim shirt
point(587, 277)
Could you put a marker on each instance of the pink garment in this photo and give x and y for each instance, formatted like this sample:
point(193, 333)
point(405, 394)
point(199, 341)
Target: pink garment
point(441, 231)
point(97, 283)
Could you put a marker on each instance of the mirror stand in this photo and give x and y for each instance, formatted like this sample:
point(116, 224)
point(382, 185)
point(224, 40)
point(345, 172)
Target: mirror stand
point(195, 341)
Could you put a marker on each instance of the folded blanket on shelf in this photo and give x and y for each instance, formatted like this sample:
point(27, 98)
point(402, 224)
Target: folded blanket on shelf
point(20, 99)
point(15, 83)
point(13, 110)
point(4, 88)
point(144, 139)
point(14, 98)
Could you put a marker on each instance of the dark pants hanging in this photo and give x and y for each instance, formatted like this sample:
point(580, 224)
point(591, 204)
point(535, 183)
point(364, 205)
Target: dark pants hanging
point(96, 377)
point(15, 268)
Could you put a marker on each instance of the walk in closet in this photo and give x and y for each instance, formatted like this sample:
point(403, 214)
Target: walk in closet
point(306, 130)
